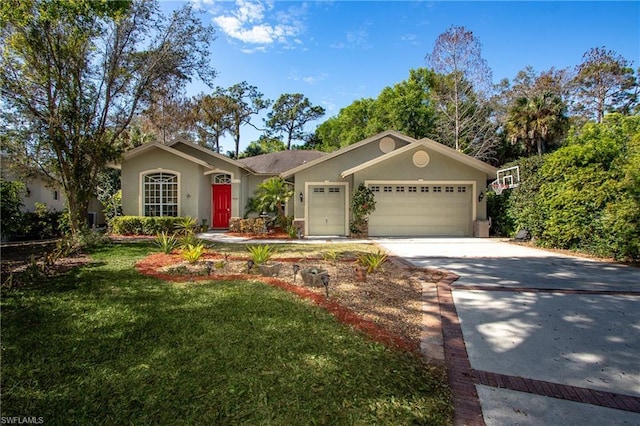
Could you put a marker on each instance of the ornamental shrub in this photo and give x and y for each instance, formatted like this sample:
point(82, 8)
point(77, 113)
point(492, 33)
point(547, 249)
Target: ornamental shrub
point(141, 225)
point(363, 203)
point(10, 208)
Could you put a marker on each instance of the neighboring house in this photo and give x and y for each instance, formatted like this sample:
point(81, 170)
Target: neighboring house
point(40, 190)
point(422, 187)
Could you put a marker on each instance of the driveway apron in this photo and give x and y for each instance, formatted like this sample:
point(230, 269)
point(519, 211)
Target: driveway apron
point(550, 339)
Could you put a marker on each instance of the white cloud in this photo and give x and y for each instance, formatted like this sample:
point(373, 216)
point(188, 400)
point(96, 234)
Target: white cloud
point(309, 79)
point(411, 39)
point(256, 23)
point(355, 39)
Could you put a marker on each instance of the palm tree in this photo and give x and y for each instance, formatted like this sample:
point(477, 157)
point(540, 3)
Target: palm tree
point(536, 120)
point(272, 194)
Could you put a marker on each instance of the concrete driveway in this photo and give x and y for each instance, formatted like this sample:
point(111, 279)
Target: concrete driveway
point(550, 339)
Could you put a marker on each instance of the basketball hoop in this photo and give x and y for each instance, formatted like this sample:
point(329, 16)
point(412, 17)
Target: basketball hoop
point(508, 178)
point(498, 187)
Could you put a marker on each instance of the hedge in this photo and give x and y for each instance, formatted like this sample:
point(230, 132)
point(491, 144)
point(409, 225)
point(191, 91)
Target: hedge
point(586, 195)
point(142, 225)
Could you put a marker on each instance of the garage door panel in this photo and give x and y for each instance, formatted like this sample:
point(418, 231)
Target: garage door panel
point(326, 210)
point(425, 210)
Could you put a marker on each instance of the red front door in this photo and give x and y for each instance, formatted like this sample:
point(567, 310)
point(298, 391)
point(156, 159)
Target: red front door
point(221, 205)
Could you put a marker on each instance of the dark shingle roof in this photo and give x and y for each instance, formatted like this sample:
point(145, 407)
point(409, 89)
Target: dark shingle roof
point(278, 162)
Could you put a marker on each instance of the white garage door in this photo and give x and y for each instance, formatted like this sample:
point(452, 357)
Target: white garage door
point(421, 210)
point(326, 213)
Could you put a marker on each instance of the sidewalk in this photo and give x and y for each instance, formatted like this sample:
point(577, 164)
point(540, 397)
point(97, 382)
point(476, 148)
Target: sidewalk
point(223, 237)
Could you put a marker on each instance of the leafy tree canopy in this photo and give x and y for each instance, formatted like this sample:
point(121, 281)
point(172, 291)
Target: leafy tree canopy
point(289, 115)
point(74, 74)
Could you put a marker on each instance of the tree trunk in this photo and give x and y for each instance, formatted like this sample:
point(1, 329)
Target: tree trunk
point(78, 205)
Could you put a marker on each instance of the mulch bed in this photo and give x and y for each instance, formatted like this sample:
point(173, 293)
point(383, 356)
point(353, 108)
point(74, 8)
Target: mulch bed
point(393, 321)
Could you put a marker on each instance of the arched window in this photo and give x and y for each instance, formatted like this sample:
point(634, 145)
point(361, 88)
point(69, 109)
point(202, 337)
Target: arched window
point(222, 178)
point(160, 194)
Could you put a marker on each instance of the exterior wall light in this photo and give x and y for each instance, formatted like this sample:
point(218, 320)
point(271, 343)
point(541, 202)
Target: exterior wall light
point(480, 196)
point(301, 196)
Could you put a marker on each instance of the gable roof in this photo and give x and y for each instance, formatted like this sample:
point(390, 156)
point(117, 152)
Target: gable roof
point(346, 149)
point(170, 148)
point(139, 150)
point(434, 146)
point(208, 152)
point(279, 162)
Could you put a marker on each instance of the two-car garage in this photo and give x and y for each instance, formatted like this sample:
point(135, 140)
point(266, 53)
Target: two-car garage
point(402, 209)
point(422, 209)
point(422, 189)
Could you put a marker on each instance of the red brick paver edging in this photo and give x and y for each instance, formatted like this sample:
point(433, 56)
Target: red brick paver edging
point(463, 379)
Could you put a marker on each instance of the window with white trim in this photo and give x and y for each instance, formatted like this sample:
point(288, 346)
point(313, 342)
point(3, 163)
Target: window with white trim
point(413, 189)
point(424, 189)
point(437, 189)
point(160, 194)
point(388, 189)
point(399, 188)
point(222, 179)
point(375, 188)
point(334, 189)
point(462, 189)
point(448, 188)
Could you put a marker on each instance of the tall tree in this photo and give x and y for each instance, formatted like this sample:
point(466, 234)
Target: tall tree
point(246, 101)
point(536, 121)
point(290, 113)
point(463, 92)
point(408, 106)
point(604, 82)
point(212, 117)
point(348, 127)
point(515, 107)
point(168, 113)
point(74, 74)
point(264, 145)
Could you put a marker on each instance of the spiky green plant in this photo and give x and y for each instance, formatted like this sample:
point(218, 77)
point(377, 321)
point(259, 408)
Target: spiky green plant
point(193, 253)
point(188, 239)
point(166, 242)
point(372, 261)
point(260, 254)
point(185, 225)
point(331, 255)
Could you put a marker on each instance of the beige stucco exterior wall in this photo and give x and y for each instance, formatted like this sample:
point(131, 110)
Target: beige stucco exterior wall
point(397, 168)
point(440, 168)
point(331, 169)
point(42, 192)
point(191, 183)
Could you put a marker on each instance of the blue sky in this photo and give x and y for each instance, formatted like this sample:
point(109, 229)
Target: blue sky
point(335, 52)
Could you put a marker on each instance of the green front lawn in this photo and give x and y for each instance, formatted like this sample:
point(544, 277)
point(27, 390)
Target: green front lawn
point(106, 345)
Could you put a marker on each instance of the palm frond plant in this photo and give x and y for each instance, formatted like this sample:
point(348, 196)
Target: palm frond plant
point(332, 255)
point(186, 225)
point(372, 261)
point(260, 254)
point(187, 239)
point(166, 242)
point(272, 194)
point(193, 253)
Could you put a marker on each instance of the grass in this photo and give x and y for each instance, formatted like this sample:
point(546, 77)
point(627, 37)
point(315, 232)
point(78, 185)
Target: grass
point(105, 345)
